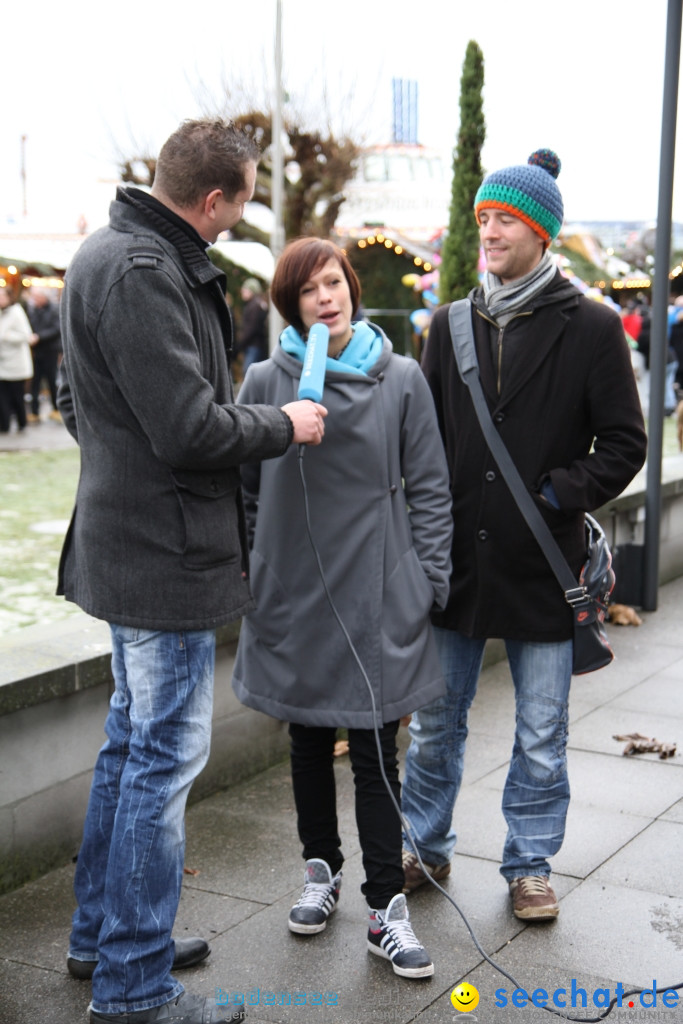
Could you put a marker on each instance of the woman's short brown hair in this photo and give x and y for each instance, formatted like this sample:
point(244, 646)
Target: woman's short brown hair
point(301, 259)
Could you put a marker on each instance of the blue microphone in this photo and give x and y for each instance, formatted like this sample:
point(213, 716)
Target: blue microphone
point(312, 379)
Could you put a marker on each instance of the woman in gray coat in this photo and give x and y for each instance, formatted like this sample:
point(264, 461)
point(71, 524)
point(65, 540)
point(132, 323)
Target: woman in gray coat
point(378, 499)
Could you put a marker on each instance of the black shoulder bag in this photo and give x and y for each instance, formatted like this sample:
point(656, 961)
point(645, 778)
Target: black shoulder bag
point(589, 597)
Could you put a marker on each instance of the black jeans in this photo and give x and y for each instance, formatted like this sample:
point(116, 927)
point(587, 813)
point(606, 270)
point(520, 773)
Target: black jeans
point(12, 401)
point(379, 827)
point(45, 366)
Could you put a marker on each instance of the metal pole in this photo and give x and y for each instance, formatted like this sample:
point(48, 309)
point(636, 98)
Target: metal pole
point(660, 303)
point(277, 236)
point(23, 174)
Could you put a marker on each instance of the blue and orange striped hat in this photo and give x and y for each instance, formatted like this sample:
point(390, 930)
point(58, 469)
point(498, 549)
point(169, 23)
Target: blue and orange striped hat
point(528, 191)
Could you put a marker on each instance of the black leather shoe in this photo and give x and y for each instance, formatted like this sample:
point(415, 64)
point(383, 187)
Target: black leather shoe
point(186, 1009)
point(188, 952)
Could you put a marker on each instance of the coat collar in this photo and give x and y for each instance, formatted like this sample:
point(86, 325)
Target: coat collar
point(134, 205)
point(542, 325)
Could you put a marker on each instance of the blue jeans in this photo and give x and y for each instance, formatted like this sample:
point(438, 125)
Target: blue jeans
point(670, 401)
point(536, 794)
point(252, 354)
point(130, 865)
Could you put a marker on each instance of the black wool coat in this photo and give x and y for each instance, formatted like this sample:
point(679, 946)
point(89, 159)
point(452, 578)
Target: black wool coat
point(156, 538)
point(567, 408)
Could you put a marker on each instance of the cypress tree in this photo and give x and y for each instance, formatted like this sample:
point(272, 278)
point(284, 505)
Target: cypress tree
point(460, 253)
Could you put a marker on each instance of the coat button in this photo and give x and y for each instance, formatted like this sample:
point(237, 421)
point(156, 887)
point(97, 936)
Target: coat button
point(393, 489)
point(214, 486)
point(499, 417)
point(483, 535)
point(380, 376)
point(490, 475)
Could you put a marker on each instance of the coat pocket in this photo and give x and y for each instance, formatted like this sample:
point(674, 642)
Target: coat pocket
point(208, 506)
point(408, 599)
point(272, 618)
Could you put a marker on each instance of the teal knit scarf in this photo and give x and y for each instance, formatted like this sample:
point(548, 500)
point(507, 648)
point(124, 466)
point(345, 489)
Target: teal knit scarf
point(359, 356)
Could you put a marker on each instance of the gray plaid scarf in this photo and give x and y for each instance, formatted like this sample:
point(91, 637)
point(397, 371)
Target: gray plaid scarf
point(503, 301)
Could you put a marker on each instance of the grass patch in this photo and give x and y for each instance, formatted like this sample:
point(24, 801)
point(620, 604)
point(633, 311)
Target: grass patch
point(38, 491)
point(669, 437)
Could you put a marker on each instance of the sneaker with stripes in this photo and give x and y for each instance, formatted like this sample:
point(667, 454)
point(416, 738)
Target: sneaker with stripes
point(318, 900)
point(391, 935)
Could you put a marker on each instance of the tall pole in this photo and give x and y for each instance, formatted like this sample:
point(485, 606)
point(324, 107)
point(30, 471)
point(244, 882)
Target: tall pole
point(277, 236)
point(23, 175)
point(660, 303)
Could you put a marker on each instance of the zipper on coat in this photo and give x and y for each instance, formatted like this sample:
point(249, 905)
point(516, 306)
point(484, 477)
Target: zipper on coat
point(499, 369)
point(499, 351)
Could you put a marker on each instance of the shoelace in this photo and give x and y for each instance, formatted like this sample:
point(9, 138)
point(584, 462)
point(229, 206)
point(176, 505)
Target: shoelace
point(533, 885)
point(409, 860)
point(402, 933)
point(315, 894)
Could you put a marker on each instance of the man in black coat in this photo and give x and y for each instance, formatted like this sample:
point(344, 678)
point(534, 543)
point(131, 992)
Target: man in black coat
point(46, 348)
point(157, 546)
point(252, 338)
point(557, 376)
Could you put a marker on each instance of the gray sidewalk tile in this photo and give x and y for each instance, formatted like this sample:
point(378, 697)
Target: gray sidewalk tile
point(661, 693)
point(620, 934)
point(593, 835)
point(674, 813)
point(35, 921)
point(595, 731)
point(650, 862)
point(588, 992)
point(29, 994)
point(243, 842)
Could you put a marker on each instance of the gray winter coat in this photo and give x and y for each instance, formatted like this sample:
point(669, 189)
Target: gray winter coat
point(380, 516)
point(156, 538)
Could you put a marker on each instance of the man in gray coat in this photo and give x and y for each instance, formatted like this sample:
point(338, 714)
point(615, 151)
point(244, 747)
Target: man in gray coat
point(157, 546)
point(557, 377)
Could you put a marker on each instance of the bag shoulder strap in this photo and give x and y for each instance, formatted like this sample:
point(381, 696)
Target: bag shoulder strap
point(462, 337)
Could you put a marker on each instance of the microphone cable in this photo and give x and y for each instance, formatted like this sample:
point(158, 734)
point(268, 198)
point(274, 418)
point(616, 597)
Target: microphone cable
point(407, 828)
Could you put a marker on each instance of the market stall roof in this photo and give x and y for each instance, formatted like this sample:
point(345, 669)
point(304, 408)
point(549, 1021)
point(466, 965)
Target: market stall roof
point(253, 256)
point(55, 252)
point(52, 251)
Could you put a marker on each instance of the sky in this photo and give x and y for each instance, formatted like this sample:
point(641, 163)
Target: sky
point(85, 82)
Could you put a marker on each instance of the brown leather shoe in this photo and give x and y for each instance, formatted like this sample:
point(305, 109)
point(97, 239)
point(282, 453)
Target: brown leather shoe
point(414, 876)
point(533, 898)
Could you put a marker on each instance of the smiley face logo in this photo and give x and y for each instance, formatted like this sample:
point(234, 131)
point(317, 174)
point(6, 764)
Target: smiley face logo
point(465, 997)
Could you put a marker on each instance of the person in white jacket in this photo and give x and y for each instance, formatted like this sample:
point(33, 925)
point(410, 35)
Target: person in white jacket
point(16, 364)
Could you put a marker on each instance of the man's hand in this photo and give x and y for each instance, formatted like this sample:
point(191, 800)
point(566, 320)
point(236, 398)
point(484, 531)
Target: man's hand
point(307, 418)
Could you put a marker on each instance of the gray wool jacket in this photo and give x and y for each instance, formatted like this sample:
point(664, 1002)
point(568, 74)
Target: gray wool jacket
point(157, 536)
point(380, 514)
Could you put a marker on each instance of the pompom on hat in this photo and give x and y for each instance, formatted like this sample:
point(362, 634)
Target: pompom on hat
point(528, 191)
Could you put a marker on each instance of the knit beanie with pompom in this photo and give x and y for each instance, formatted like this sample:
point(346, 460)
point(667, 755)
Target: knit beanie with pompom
point(528, 191)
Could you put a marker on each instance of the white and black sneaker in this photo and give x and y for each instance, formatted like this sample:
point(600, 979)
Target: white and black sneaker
point(318, 900)
point(391, 935)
